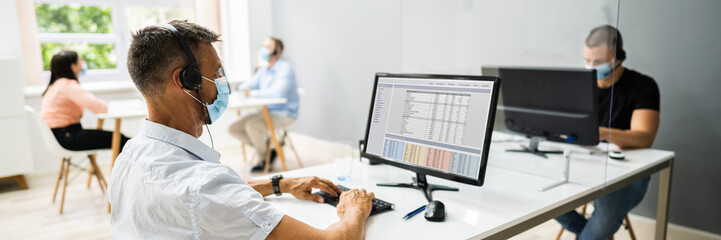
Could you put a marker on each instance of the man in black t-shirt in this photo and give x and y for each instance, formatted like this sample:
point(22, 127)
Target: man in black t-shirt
point(632, 99)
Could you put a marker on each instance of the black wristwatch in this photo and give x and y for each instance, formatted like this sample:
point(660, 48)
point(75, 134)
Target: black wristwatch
point(276, 184)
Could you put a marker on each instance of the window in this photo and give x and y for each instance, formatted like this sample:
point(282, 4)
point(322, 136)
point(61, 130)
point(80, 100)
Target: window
point(100, 30)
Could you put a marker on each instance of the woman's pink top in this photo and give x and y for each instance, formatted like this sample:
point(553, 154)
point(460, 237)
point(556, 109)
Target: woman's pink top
point(64, 101)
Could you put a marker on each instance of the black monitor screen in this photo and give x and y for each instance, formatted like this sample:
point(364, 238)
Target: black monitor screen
point(557, 104)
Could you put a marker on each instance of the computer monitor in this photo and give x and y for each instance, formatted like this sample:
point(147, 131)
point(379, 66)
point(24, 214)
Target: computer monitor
point(437, 125)
point(554, 104)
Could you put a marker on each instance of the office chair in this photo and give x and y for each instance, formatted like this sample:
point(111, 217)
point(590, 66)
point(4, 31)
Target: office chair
point(626, 223)
point(283, 138)
point(54, 148)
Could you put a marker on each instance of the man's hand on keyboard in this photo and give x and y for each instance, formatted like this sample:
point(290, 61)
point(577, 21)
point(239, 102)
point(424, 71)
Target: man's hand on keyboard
point(356, 202)
point(301, 187)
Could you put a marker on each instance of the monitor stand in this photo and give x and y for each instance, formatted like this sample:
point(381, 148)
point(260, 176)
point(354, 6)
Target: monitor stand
point(420, 183)
point(564, 179)
point(533, 148)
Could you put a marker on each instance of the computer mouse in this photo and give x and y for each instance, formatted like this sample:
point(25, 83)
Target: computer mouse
point(435, 211)
point(616, 155)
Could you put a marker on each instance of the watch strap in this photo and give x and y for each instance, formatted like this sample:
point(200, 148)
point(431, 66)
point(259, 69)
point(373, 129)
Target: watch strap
point(276, 184)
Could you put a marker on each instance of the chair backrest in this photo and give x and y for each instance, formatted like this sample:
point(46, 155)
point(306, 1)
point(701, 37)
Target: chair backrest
point(51, 144)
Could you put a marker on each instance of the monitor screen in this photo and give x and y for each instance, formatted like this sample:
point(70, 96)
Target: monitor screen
point(433, 124)
point(557, 104)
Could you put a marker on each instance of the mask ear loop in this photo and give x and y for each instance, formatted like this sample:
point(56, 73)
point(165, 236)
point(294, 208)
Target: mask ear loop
point(212, 144)
point(205, 116)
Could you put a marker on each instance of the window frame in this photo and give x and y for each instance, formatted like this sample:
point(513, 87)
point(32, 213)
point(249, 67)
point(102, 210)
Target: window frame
point(117, 18)
point(120, 35)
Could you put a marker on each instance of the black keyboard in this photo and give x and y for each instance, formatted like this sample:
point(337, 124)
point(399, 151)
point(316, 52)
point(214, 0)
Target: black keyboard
point(378, 205)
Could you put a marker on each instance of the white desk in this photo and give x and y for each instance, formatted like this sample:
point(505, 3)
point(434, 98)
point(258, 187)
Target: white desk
point(508, 203)
point(136, 108)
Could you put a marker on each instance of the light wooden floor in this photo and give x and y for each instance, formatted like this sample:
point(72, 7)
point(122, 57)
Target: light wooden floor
point(30, 214)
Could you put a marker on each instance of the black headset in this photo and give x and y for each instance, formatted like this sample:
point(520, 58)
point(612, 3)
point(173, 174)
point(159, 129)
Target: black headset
point(190, 76)
point(620, 53)
point(275, 48)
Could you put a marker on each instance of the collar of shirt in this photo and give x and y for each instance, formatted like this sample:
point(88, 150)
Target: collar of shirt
point(179, 139)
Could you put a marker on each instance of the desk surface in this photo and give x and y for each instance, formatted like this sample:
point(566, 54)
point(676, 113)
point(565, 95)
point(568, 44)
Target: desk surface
point(135, 108)
point(507, 204)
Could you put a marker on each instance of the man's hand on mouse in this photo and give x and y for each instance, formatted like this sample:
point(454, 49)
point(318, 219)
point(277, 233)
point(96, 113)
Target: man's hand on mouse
point(301, 187)
point(356, 202)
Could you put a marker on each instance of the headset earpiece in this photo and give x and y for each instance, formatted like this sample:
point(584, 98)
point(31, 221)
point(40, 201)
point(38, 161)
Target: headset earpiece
point(620, 54)
point(190, 76)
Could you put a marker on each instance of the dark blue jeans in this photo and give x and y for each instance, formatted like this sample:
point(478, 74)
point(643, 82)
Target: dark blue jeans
point(608, 214)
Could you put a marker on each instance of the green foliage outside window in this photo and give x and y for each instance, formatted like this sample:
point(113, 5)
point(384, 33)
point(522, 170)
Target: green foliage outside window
point(97, 56)
point(75, 18)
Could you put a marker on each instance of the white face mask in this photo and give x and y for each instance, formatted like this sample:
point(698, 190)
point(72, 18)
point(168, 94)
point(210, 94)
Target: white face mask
point(263, 57)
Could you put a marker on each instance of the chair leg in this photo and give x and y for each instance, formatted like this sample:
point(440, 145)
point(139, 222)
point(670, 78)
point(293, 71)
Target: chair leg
point(90, 172)
point(560, 232)
point(65, 184)
point(242, 149)
point(60, 177)
point(99, 175)
point(630, 229)
point(96, 172)
point(290, 142)
point(267, 159)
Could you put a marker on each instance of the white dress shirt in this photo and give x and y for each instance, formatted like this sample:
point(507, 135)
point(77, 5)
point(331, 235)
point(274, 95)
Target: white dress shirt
point(167, 184)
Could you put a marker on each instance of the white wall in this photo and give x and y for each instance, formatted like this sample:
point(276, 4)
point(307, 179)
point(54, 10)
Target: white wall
point(14, 144)
point(337, 46)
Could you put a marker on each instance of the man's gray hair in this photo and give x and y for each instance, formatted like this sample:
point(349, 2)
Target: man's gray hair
point(154, 53)
point(610, 37)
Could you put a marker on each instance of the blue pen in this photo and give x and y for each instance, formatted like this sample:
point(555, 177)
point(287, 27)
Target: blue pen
point(414, 212)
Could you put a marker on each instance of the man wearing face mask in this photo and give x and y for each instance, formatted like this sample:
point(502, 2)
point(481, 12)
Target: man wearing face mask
point(633, 101)
point(166, 184)
point(274, 79)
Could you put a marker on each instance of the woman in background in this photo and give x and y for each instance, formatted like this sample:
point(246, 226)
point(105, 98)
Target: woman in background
point(63, 103)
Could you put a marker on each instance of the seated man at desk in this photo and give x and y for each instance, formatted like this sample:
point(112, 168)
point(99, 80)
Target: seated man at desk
point(632, 124)
point(167, 184)
point(274, 79)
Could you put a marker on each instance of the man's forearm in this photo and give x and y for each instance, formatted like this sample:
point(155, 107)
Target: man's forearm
point(263, 186)
point(628, 138)
point(347, 228)
point(351, 226)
